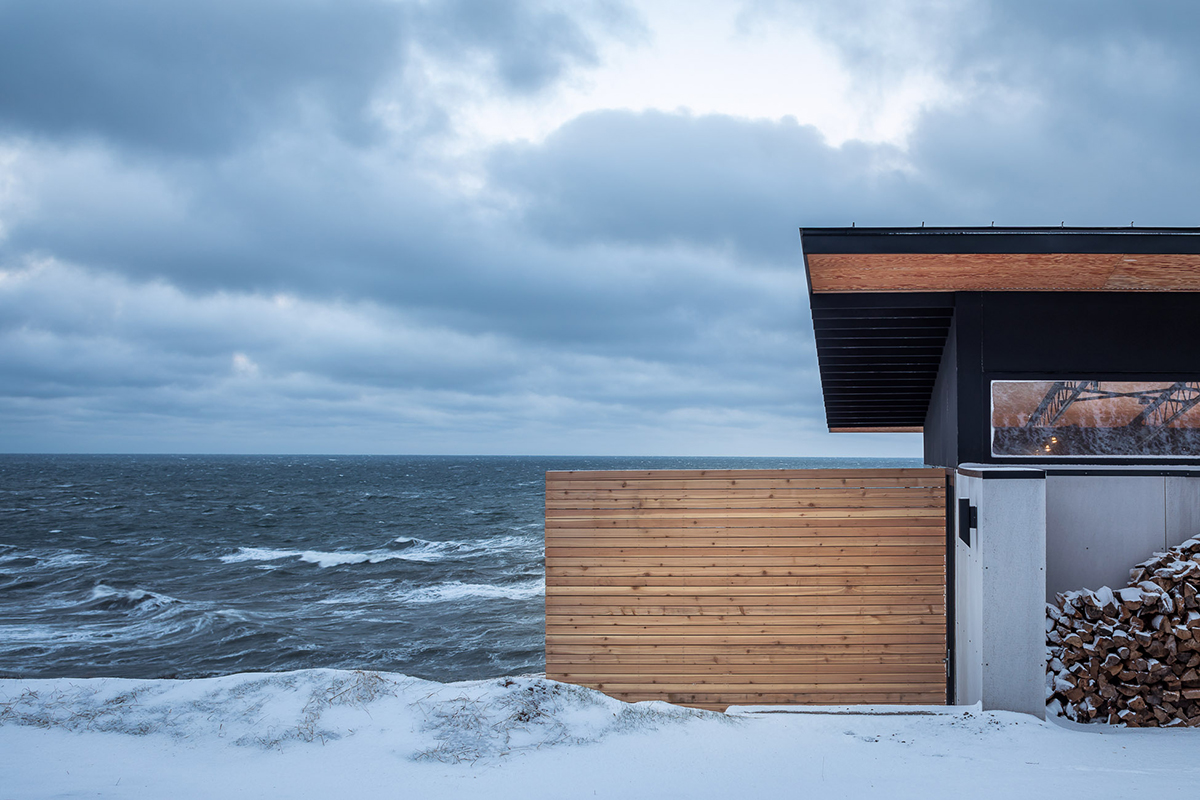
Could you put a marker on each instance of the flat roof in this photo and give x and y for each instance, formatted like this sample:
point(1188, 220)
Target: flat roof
point(882, 298)
point(1001, 259)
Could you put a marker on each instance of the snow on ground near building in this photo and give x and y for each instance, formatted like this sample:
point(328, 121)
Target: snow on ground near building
point(337, 734)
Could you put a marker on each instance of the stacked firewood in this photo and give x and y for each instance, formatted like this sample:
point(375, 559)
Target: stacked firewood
point(1130, 656)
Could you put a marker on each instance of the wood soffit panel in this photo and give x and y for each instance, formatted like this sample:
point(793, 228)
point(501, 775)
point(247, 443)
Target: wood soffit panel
point(951, 272)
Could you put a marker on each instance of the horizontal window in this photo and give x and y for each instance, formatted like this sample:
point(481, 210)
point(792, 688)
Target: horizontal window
point(1096, 418)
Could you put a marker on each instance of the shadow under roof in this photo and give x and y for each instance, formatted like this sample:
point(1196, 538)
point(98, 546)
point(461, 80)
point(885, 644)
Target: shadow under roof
point(882, 299)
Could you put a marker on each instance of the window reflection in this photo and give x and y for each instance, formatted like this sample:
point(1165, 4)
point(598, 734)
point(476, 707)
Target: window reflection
point(1096, 418)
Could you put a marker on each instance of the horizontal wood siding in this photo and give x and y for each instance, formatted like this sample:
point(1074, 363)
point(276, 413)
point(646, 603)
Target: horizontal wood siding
point(717, 587)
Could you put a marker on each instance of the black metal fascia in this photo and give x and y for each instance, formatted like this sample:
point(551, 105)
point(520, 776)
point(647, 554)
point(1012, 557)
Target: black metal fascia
point(989, 240)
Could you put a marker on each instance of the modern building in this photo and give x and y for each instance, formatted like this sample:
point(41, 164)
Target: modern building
point(1055, 374)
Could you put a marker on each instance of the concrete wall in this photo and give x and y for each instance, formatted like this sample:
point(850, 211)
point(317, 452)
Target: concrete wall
point(1000, 578)
point(968, 611)
point(1182, 501)
point(1012, 543)
point(1098, 526)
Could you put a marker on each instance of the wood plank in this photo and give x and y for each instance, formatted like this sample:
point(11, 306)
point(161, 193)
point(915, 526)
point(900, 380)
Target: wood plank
point(782, 475)
point(732, 638)
point(783, 610)
point(825, 543)
point(684, 516)
point(826, 528)
point(675, 575)
point(750, 649)
point(959, 272)
point(810, 588)
point(588, 671)
point(1161, 272)
point(741, 555)
point(701, 563)
point(806, 571)
point(725, 699)
point(899, 493)
point(856, 626)
point(753, 606)
point(701, 493)
point(765, 522)
point(623, 690)
point(741, 623)
point(736, 613)
point(763, 557)
point(861, 625)
point(779, 506)
point(812, 691)
point(557, 575)
point(588, 668)
point(811, 596)
point(685, 488)
point(747, 621)
point(927, 674)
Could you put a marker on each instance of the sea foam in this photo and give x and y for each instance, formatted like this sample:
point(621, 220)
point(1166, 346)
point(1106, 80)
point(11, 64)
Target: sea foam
point(419, 550)
point(457, 590)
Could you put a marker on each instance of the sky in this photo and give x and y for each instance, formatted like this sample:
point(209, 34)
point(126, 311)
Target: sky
point(522, 226)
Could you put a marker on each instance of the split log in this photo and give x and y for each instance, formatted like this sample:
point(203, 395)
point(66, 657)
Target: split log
point(1130, 656)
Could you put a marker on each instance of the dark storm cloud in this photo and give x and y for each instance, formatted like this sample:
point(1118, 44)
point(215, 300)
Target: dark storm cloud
point(528, 45)
point(203, 76)
point(132, 357)
point(323, 219)
point(1079, 111)
point(207, 238)
point(188, 76)
point(659, 179)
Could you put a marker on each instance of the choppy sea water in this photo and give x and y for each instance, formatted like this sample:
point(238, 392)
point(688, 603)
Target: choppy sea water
point(192, 566)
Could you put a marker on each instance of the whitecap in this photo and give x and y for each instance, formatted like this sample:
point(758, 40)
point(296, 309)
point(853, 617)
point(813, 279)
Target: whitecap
point(319, 557)
point(257, 554)
point(418, 550)
point(322, 559)
point(140, 600)
point(457, 590)
point(424, 550)
point(46, 560)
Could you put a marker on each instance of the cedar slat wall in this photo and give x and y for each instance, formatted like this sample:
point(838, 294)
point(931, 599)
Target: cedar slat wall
point(718, 587)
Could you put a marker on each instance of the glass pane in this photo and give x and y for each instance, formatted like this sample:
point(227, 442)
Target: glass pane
point(1096, 418)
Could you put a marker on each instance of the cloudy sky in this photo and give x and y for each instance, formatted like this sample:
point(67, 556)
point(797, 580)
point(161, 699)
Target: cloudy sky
point(522, 226)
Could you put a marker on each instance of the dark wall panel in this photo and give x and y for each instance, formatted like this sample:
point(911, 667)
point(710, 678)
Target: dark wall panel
point(1091, 332)
point(941, 420)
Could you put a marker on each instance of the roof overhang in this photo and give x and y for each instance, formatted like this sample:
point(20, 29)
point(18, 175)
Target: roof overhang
point(882, 298)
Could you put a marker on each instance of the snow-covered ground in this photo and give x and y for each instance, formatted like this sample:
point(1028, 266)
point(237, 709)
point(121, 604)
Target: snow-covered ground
point(336, 734)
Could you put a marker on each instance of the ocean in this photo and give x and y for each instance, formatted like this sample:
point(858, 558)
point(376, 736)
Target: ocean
point(192, 566)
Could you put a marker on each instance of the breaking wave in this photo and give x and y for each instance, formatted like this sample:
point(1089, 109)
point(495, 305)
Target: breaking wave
point(107, 598)
point(457, 590)
point(410, 549)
